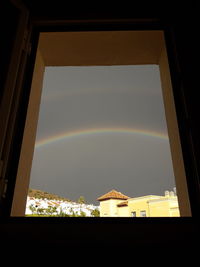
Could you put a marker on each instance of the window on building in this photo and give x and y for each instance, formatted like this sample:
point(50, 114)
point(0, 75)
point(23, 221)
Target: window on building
point(133, 213)
point(143, 213)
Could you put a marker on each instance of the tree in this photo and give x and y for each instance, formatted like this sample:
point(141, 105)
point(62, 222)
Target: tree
point(51, 210)
point(82, 214)
point(81, 200)
point(95, 213)
point(32, 208)
point(40, 211)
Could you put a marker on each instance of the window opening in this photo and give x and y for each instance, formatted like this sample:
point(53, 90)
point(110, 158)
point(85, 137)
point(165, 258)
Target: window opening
point(104, 135)
point(100, 128)
point(143, 213)
point(133, 214)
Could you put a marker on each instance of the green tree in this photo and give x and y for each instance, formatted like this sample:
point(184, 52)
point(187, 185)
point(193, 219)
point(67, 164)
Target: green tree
point(51, 210)
point(95, 213)
point(81, 200)
point(32, 208)
point(62, 214)
point(40, 211)
point(82, 214)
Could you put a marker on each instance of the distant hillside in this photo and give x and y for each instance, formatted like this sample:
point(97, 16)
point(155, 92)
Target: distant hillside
point(41, 194)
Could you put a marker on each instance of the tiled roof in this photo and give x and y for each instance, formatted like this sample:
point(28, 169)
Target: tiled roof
point(122, 204)
point(113, 194)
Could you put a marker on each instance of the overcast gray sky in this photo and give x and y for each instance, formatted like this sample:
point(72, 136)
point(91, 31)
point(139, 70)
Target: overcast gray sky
point(90, 165)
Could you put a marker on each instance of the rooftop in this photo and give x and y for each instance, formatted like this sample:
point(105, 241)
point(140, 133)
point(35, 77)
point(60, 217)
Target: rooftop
point(123, 204)
point(113, 194)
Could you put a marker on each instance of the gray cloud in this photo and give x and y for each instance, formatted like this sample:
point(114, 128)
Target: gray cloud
point(93, 97)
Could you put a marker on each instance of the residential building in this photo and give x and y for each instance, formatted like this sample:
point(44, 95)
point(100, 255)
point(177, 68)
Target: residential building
point(116, 204)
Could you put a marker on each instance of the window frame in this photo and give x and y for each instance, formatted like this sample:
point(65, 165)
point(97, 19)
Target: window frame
point(98, 25)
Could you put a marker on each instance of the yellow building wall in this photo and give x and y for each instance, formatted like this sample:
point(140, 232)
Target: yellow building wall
point(147, 206)
point(175, 212)
point(166, 207)
point(174, 208)
point(123, 211)
point(159, 208)
point(139, 205)
point(108, 208)
point(154, 206)
point(104, 208)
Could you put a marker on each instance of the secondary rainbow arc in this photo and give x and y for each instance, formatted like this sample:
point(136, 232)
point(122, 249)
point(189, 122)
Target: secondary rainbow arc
point(78, 133)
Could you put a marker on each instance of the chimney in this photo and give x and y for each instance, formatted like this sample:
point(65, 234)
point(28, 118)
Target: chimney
point(166, 193)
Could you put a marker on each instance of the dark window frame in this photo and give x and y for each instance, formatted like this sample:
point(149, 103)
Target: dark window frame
point(122, 25)
point(189, 152)
point(157, 233)
point(108, 25)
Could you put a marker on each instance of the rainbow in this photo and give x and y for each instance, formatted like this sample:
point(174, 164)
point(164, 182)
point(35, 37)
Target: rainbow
point(96, 131)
